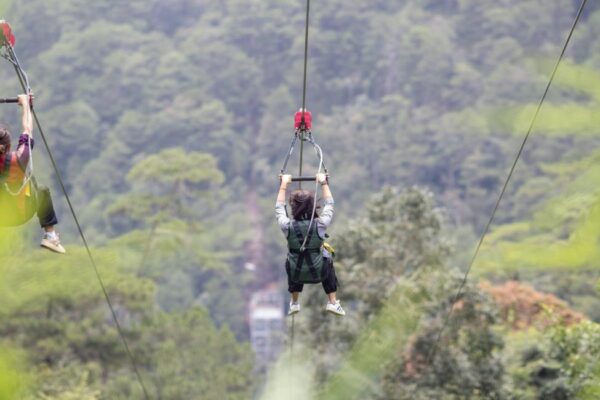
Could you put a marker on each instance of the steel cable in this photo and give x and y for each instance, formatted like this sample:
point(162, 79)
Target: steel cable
point(22, 76)
point(505, 186)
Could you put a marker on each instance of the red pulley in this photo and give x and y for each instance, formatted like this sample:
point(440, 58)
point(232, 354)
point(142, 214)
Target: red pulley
point(307, 120)
point(6, 35)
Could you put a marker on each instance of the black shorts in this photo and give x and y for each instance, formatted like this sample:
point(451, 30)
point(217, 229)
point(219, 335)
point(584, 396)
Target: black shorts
point(330, 283)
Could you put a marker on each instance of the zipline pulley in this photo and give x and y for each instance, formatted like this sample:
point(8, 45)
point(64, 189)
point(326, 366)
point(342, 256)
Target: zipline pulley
point(6, 35)
point(303, 132)
point(303, 121)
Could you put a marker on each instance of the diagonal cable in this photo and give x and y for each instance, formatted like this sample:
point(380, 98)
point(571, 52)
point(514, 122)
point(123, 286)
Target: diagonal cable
point(505, 186)
point(22, 79)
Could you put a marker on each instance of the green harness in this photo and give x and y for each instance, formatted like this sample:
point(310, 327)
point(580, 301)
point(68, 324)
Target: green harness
point(305, 265)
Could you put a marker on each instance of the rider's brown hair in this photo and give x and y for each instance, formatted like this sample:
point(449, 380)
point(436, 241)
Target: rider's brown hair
point(303, 202)
point(4, 139)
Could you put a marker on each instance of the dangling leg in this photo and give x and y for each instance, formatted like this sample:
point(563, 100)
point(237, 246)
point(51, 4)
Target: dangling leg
point(47, 218)
point(332, 297)
point(295, 289)
point(295, 296)
point(330, 284)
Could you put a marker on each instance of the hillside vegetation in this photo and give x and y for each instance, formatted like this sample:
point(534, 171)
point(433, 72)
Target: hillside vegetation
point(170, 121)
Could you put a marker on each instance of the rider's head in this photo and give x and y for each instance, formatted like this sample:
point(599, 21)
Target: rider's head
point(302, 202)
point(4, 139)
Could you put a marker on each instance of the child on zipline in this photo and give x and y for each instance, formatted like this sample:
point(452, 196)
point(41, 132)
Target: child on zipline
point(307, 260)
point(20, 197)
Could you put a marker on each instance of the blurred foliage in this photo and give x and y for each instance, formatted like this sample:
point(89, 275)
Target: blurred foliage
point(4, 6)
point(521, 307)
point(291, 368)
point(560, 363)
point(394, 321)
point(169, 121)
point(54, 309)
point(13, 379)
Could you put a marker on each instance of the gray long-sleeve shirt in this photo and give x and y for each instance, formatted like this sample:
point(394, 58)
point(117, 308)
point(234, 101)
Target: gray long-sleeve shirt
point(322, 222)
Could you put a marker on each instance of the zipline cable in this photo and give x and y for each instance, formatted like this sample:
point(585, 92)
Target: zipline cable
point(302, 133)
point(25, 85)
point(305, 57)
point(506, 182)
point(304, 81)
point(292, 335)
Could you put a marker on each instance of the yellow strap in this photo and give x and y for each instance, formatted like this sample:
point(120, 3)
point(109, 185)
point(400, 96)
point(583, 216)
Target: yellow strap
point(329, 247)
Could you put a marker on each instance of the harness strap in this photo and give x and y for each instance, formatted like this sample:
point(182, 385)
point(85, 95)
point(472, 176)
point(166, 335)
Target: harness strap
point(304, 255)
point(312, 251)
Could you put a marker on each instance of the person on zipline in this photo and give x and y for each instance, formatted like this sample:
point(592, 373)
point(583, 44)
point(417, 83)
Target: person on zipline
point(307, 260)
point(20, 197)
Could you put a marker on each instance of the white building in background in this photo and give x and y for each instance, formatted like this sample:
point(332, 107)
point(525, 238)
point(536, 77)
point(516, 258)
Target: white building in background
point(267, 322)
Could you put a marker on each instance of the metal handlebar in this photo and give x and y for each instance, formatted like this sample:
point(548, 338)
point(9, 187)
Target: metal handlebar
point(304, 179)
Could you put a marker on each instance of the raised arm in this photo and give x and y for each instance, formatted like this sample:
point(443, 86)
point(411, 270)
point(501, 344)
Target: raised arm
point(26, 118)
point(322, 178)
point(327, 213)
point(282, 219)
point(285, 181)
point(26, 139)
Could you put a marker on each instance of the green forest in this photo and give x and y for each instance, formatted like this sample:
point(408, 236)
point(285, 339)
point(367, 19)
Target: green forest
point(169, 122)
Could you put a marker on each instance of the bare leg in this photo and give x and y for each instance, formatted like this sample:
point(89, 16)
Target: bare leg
point(332, 297)
point(51, 241)
point(295, 296)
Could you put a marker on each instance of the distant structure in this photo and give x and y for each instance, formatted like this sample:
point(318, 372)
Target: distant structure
point(266, 320)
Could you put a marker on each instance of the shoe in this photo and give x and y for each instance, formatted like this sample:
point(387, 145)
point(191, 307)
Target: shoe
point(51, 242)
point(335, 309)
point(294, 308)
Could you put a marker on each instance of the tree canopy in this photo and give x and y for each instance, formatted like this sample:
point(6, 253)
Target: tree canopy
point(169, 122)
